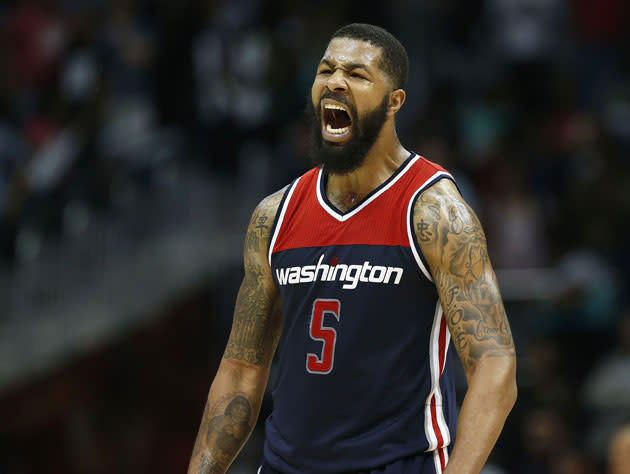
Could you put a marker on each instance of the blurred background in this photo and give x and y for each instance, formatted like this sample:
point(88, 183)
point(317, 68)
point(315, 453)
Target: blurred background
point(136, 137)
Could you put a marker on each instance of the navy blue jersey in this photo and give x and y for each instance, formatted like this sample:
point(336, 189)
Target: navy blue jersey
point(363, 366)
point(425, 463)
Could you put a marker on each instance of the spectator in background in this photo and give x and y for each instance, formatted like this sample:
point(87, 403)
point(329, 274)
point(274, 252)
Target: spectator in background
point(572, 461)
point(619, 451)
point(128, 47)
point(129, 131)
point(515, 221)
point(601, 27)
point(529, 36)
point(11, 150)
point(35, 36)
point(544, 435)
point(542, 378)
point(606, 389)
point(232, 61)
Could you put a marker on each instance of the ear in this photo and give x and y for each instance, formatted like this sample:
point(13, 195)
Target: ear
point(396, 101)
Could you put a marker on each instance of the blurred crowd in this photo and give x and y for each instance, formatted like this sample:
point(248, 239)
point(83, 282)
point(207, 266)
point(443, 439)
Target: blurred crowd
point(527, 102)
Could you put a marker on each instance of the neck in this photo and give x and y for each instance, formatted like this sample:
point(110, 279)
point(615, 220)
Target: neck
point(383, 159)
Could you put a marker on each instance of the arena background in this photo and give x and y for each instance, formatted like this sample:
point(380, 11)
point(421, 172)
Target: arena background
point(137, 136)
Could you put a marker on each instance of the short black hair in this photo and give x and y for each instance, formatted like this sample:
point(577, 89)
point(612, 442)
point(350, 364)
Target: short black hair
point(394, 61)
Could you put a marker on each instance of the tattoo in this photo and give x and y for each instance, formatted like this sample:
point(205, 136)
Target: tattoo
point(256, 230)
point(454, 243)
point(232, 426)
point(255, 328)
point(222, 433)
point(424, 232)
point(251, 317)
point(345, 200)
point(228, 421)
point(198, 444)
point(205, 466)
point(260, 225)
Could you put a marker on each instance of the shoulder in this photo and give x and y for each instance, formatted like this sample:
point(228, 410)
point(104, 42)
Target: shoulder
point(269, 205)
point(424, 175)
point(443, 220)
point(261, 223)
point(268, 208)
point(442, 193)
point(441, 198)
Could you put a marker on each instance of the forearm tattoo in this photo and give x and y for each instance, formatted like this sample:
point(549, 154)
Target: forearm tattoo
point(253, 339)
point(454, 243)
point(223, 431)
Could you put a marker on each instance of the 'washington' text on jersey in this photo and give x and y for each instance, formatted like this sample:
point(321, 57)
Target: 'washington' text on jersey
point(353, 274)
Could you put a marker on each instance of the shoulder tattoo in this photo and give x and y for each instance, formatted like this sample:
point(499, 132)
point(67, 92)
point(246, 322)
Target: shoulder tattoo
point(453, 241)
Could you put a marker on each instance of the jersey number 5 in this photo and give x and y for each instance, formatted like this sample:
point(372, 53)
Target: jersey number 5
point(323, 363)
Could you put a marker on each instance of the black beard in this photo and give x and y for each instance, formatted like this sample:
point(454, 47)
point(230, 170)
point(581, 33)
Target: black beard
point(342, 159)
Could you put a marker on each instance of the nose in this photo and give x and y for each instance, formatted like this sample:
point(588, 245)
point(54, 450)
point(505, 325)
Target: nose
point(337, 81)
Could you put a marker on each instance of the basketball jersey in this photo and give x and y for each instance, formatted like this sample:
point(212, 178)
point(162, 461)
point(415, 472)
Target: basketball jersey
point(363, 374)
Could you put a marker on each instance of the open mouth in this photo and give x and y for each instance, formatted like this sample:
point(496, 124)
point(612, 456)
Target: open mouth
point(336, 121)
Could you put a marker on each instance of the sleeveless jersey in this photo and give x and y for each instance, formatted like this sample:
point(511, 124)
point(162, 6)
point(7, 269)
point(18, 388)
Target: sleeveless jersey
point(363, 366)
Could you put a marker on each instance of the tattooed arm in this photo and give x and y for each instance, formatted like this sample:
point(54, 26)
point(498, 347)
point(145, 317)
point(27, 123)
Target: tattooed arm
point(236, 393)
point(454, 245)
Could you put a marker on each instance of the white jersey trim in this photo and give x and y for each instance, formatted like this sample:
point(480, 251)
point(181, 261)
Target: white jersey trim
point(345, 217)
point(437, 462)
point(436, 372)
point(283, 210)
point(412, 243)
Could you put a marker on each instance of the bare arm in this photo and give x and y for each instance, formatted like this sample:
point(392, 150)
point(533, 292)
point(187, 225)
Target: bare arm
point(454, 244)
point(236, 393)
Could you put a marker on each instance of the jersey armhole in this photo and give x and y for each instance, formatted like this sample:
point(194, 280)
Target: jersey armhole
point(413, 240)
point(277, 221)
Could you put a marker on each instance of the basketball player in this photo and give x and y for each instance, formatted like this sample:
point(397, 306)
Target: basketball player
point(369, 273)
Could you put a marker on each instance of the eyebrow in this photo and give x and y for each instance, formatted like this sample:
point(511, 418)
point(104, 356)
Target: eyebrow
point(348, 67)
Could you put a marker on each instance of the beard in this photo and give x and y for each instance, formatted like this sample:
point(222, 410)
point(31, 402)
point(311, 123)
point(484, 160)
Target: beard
point(344, 158)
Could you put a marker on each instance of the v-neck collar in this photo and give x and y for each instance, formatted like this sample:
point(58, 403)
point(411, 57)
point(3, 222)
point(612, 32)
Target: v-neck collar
point(341, 216)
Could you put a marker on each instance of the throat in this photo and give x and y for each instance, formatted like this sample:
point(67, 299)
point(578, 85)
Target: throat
point(345, 200)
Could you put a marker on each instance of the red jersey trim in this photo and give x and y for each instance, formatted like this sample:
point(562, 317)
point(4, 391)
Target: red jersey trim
point(435, 426)
point(306, 219)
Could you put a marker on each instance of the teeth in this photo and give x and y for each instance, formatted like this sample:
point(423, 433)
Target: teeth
point(334, 107)
point(336, 131)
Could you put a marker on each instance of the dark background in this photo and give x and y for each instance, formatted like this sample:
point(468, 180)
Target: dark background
point(137, 136)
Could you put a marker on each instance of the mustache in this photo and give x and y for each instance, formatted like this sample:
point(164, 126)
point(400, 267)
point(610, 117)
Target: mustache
point(341, 98)
point(336, 97)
